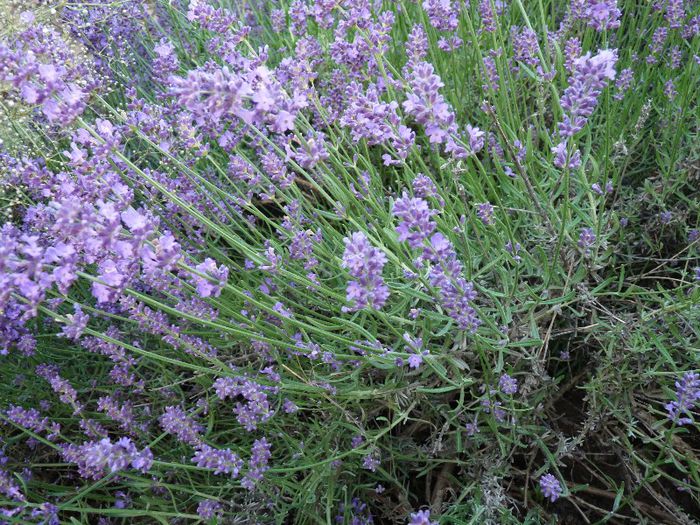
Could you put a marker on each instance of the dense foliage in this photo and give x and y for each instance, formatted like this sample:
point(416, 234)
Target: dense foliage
point(350, 261)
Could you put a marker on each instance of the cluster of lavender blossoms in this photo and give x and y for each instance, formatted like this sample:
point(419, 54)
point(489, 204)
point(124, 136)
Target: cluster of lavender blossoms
point(193, 188)
point(551, 488)
point(444, 269)
point(590, 76)
point(365, 263)
point(687, 396)
point(97, 458)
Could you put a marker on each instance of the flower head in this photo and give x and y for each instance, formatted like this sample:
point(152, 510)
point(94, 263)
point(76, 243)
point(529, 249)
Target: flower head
point(422, 517)
point(364, 263)
point(551, 489)
point(687, 396)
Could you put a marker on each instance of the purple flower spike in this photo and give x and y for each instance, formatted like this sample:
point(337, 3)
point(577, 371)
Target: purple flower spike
point(603, 14)
point(485, 213)
point(212, 286)
point(209, 508)
point(416, 224)
point(590, 76)
point(442, 14)
point(77, 322)
point(371, 462)
point(687, 396)
point(551, 489)
point(422, 517)
point(508, 384)
point(364, 263)
point(175, 421)
point(220, 461)
point(586, 240)
point(445, 270)
point(96, 458)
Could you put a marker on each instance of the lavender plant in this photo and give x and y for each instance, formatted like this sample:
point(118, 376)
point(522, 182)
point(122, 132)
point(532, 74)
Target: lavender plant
point(349, 261)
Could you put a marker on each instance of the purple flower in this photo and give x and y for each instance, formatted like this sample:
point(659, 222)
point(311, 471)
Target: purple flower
point(358, 513)
point(585, 85)
point(110, 281)
point(254, 408)
point(675, 57)
point(415, 360)
point(525, 47)
point(297, 17)
point(449, 44)
point(9, 486)
point(623, 82)
point(29, 418)
point(475, 137)
point(175, 421)
point(415, 224)
point(670, 89)
point(253, 95)
point(491, 406)
point(371, 462)
point(508, 384)
point(282, 310)
point(135, 221)
point(211, 286)
point(414, 346)
point(417, 44)
point(212, 93)
point(603, 14)
point(551, 489)
point(675, 13)
point(491, 76)
point(687, 395)
point(289, 406)
point(442, 14)
point(429, 108)
point(122, 500)
point(485, 213)
point(165, 61)
point(209, 508)
point(220, 461)
point(164, 257)
point(311, 151)
point(586, 239)
point(656, 46)
point(514, 250)
point(95, 457)
point(67, 394)
point(357, 441)
point(454, 291)
point(365, 264)
point(422, 517)
point(377, 122)
point(572, 51)
point(424, 187)
point(257, 464)
point(77, 322)
point(562, 160)
point(445, 271)
point(488, 17)
point(122, 413)
point(48, 514)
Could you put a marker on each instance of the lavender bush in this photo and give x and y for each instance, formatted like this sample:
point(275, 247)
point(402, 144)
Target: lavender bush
point(349, 261)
